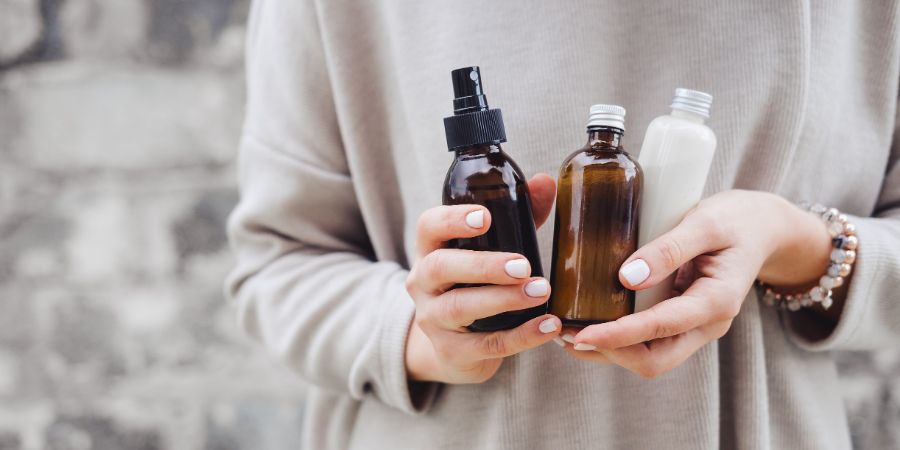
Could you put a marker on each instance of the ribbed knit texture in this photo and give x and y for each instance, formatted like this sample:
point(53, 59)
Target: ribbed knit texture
point(344, 147)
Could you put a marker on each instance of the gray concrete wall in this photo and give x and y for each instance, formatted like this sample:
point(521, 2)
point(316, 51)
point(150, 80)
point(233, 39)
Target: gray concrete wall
point(118, 126)
point(119, 121)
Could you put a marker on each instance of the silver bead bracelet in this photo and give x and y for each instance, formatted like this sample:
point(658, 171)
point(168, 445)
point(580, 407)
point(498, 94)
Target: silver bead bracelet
point(843, 254)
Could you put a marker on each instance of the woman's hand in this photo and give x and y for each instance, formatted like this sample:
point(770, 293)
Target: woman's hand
point(439, 348)
point(721, 246)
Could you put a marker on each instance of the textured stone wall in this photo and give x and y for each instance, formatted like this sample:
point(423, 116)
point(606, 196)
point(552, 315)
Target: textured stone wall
point(119, 121)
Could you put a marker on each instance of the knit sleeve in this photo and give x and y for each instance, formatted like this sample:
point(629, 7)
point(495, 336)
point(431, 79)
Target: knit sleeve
point(306, 283)
point(871, 314)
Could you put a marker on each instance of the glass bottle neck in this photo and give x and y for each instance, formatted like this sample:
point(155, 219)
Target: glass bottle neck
point(604, 137)
point(478, 150)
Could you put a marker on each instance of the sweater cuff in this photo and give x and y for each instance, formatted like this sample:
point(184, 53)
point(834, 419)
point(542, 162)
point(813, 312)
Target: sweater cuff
point(860, 315)
point(412, 398)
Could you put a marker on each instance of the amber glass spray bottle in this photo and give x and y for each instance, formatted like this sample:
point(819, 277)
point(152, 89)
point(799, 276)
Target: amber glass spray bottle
point(596, 224)
point(482, 173)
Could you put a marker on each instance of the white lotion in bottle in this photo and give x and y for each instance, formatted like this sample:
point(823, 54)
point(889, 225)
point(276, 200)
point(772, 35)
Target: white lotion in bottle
point(676, 155)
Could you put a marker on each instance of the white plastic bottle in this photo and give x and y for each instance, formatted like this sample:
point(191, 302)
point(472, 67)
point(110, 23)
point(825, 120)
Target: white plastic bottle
point(676, 155)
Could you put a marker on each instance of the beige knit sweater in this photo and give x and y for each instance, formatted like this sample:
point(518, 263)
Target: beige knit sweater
point(344, 148)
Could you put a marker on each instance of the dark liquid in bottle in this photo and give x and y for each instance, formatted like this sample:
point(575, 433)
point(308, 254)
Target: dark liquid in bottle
point(484, 175)
point(596, 231)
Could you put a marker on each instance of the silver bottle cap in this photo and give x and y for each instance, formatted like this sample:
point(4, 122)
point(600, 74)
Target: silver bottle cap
point(607, 116)
point(689, 100)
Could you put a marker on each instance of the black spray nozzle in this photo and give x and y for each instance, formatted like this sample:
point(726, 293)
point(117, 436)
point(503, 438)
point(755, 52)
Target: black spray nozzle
point(472, 123)
point(468, 91)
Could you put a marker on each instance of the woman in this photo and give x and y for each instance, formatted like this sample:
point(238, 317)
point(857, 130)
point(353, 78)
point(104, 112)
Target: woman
point(341, 271)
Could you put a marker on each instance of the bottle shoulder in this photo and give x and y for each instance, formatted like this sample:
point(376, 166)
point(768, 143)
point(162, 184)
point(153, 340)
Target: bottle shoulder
point(668, 123)
point(481, 171)
point(499, 162)
point(588, 157)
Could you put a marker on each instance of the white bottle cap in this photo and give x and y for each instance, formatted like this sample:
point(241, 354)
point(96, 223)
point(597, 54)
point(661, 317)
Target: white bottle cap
point(692, 101)
point(607, 116)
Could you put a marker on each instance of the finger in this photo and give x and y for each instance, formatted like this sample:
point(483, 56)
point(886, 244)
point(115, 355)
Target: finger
point(443, 223)
point(460, 307)
point(542, 188)
point(567, 339)
point(707, 300)
point(443, 268)
point(658, 357)
point(500, 344)
point(595, 356)
point(655, 261)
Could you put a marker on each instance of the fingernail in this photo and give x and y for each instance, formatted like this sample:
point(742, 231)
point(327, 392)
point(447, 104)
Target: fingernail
point(635, 272)
point(585, 347)
point(518, 268)
point(559, 342)
point(537, 288)
point(475, 219)
point(568, 338)
point(547, 326)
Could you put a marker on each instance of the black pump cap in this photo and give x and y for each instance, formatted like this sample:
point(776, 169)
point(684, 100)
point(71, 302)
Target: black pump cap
point(467, 90)
point(472, 122)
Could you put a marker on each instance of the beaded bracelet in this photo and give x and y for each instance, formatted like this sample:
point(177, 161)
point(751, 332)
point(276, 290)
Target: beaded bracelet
point(843, 254)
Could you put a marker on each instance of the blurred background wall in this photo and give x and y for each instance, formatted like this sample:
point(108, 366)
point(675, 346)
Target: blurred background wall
point(119, 121)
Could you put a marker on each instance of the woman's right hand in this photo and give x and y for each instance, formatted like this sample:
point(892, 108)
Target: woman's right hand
point(439, 347)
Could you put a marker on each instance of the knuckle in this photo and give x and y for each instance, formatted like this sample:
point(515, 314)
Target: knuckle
point(434, 264)
point(520, 341)
point(453, 308)
point(670, 253)
point(494, 344)
point(661, 330)
point(661, 327)
point(484, 266)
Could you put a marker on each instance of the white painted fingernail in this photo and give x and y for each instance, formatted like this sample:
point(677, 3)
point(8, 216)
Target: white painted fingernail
point(547, 326)
point(537, 288)
point(475, 219)
point(518, 268)
point(635, 272)
point(585, 347)
point(568, 338)
point(559, 342)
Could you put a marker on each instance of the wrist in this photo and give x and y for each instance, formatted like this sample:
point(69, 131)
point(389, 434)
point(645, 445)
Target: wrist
point(831, 287)
point(421, 363)
point(802, 249)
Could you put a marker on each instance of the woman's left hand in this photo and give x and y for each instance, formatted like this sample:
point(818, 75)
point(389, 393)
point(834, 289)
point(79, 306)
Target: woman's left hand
point(722, 245)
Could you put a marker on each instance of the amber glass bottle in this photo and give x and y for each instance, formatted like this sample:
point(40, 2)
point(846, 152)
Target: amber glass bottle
point(596, 224)
point(482, 173)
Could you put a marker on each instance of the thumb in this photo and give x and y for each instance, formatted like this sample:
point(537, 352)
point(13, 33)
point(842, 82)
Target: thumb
point(662, 256)
point(542, 188)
